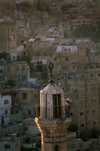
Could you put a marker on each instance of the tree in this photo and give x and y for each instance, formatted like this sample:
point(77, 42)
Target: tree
point(95, 132)
point(85, 135)
point(88, 32)
point(66, 7)
point(25, 4)
point(10, 82)
point(92, 133)
point(24, 58)
point(72, 128)
point(4, 55)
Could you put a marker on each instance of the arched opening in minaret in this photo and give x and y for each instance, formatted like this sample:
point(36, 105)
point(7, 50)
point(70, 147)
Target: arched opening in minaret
point(56, 105)
point(56, 148)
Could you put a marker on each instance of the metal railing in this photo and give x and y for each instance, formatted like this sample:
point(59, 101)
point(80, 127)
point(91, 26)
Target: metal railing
point(56, 111)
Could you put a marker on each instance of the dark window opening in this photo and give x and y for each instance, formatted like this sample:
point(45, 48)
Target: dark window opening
point(24, 95)
point(56, 148)
point(7, 146)
point(29, 111)
point(91, 75)
point(56, 105)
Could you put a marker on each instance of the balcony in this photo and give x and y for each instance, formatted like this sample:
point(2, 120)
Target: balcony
point(54, 112)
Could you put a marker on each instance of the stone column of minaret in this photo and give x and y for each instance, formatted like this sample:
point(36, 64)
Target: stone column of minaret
point(53, 121)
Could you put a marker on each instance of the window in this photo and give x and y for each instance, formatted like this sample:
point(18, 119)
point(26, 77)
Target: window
point(23, 68)
point(29, 111)
point(17, 68)
point(12, 29)
point(73, 66)
point(93, 88)
point(13, 48)
point(82, 125)
point(24, 95)
point(24, 78)
point(6, 101)
point(6, 111)
point(81, 102)
point(8, 69)
point(98, 74)
point(93, 100)
point(71, 114)
point(64, 68)
point(56, 105)
point(35, 96)
point(93, 111)
point(82, 75)
point(94, 123)
point(81, 49)
point(7, 146)
point(65, 59)
point(19, 78)
point(81, 113)
point(91, 75)
point(26, 128)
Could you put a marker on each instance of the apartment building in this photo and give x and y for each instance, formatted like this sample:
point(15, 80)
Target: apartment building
point(80, 22)
point(18, 71)
point(67, 59)
point(11, 143)
point(5, 109)
point(7, 8)
point(85, 107)
point(95, 20)
point(66, 25)
point(2, 75)
point(8, 37)
point(38, 48)
point(28, 99)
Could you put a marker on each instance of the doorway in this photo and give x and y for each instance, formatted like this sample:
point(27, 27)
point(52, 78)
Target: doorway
point(56, 148)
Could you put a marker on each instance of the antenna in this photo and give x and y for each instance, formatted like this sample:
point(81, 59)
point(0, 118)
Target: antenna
point(51, 66)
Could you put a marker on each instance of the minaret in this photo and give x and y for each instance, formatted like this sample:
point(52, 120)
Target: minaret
point(53, 121)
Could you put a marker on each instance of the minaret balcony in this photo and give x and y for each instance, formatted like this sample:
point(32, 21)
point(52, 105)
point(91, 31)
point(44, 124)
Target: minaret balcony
point(54, 112)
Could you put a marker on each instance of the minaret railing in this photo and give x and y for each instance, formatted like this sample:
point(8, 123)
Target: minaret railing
point(54, 112)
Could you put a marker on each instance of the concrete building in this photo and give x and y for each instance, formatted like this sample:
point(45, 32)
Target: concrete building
point(38, 48)
point(10, 143)
point(8, 37)
point(67, 59)
point(80, 22)
point(5, 109)
point(18, 71)
point(30, 126)
point(28, 98)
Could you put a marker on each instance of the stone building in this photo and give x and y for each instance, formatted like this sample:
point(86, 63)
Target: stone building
point(18, 71)
point(8, 37)
point(28, 98)
point(38, 48)
point(10, 143)
point(67, 59)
